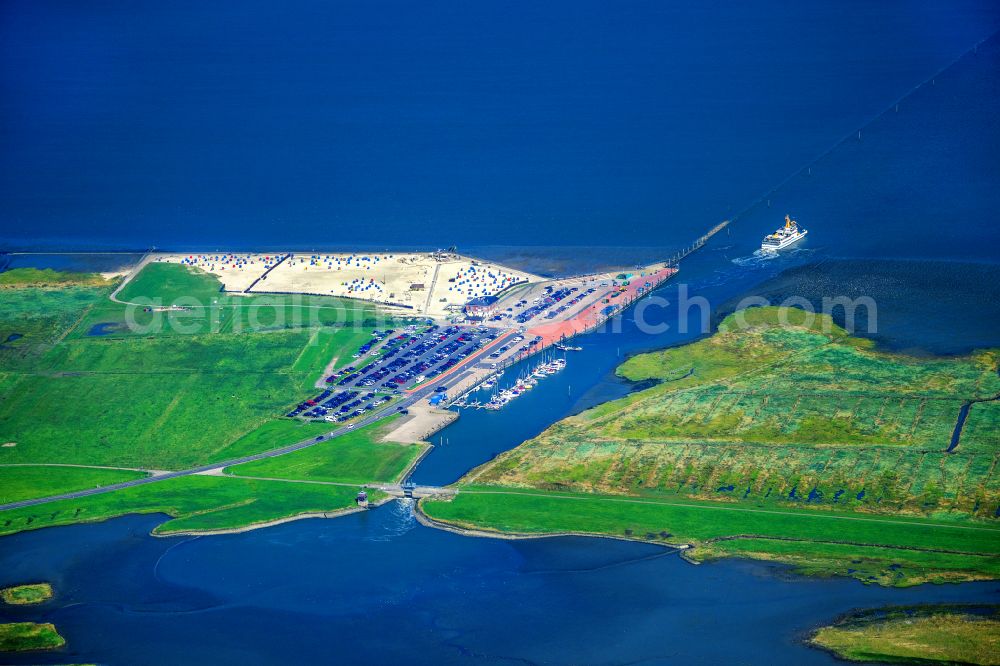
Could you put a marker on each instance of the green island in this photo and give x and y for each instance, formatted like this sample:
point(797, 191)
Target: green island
point(23, 595)
point(26, 636)
point(88, 400)
point(916, 635)
point(780, 437)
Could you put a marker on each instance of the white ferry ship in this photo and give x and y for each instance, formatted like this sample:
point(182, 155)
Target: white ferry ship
point(783, 237)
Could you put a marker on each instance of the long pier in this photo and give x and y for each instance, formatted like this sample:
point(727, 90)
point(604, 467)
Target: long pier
point(697, 244)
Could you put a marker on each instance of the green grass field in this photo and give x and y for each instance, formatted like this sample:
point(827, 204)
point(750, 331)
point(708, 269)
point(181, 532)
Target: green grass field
point(231, 314)
point(24, 482)
point(980, 433)
point(166, 399)
point(784, 422)
point(357, 457)
point(274, 434)
point(196, 503)
point(47, 277)
point(33, 320)
point(886, 480)
point(25, 636)
point(210, 310)
point(786, 416)
point(764, 383)
point(159, 403)
point(884, 565)
point(916, 635)
point(168, 283)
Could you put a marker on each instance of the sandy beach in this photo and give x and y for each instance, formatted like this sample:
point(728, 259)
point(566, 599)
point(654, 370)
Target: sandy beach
point(421, 422)
point(429, 283)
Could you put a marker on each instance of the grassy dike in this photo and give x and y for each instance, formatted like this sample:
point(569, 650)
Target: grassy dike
point(322, 480)
point(778, 438)
point(194, 503)
point(897, 551)
point(915, 635)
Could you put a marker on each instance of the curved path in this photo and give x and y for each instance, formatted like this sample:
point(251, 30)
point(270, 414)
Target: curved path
point(146, 258)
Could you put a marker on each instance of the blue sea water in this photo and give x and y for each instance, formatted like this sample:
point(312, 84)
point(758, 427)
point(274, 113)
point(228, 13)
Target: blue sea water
point(555, 136)
point(917, 307)
point(86, 262)
point(919, 183)
point(378, 588)
point(264, 124)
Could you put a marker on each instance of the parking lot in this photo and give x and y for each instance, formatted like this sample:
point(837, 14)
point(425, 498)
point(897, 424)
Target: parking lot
point(392, 362)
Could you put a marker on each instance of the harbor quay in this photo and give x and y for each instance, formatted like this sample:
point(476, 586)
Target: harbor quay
point(421, 370)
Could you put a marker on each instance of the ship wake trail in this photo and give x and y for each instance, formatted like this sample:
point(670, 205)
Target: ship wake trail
point(758, 258)
point(762, 258)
